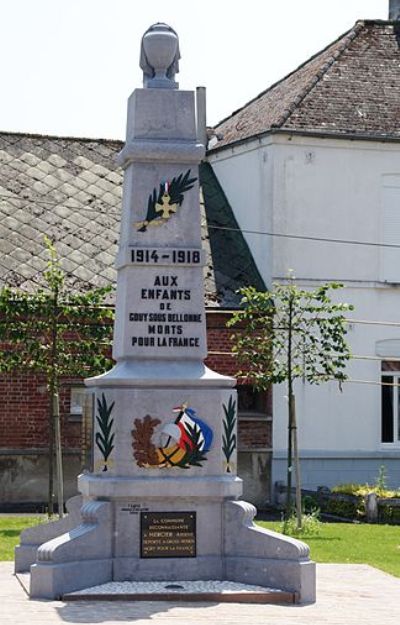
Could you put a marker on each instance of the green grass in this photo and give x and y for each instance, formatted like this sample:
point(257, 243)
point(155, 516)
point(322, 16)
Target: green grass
point(377, 545)
point(10, 529)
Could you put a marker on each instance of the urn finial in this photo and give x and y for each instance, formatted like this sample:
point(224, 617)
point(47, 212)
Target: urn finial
point(159, 57)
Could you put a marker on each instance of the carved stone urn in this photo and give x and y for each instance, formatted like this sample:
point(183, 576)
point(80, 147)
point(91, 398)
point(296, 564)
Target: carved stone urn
point(160, 46)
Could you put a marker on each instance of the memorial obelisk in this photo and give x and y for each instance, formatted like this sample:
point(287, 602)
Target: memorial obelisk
point(161, 501)
point(162, 463)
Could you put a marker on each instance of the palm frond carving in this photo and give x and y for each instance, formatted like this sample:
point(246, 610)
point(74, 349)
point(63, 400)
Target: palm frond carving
point(170, 196)
point(178, 186)
point(193, 457)
point(105, 437)
point(229, 439)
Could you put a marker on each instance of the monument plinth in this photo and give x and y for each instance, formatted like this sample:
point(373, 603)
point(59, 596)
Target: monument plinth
point(161, 500)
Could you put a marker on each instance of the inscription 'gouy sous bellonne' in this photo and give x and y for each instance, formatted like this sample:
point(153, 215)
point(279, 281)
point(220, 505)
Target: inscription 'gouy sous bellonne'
point(165, 317)
point(168, 535)
point(165, 329)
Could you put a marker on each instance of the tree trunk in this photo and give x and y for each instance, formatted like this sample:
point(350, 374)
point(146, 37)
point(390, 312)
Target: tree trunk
point(57, 432)
point(296, 465)
point(50, 496)
point(290, 412)
point(54, 392)
point(288, 508)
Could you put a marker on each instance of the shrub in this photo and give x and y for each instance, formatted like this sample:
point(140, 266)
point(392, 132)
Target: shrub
point(311, 525)
point(362, 490)
point(346, 506)
point(310, 503)
point(381, 480)
point(388, 513)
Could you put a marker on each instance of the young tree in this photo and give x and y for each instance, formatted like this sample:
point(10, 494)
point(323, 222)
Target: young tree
point(58, 333)
point(285, 334)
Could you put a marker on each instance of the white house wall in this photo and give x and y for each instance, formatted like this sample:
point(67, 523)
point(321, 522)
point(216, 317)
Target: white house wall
point(329, 189)
point(246, 175)
point(340, 431)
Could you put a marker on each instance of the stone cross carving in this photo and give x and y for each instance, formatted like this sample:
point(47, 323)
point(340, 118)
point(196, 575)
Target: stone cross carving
point(159, 56)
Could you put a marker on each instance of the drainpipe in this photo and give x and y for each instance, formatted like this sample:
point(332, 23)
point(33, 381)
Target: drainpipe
point(201, 115)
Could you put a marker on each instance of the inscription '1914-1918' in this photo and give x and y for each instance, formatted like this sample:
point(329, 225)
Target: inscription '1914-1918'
point(151, 256)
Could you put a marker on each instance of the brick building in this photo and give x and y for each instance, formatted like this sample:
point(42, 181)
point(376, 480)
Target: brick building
point(70, 190)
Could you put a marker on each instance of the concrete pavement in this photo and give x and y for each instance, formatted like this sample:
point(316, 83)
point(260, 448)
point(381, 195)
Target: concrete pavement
point(347, 594)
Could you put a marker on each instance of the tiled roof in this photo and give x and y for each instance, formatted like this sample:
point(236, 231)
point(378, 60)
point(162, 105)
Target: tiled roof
point(232, 261)
point(70, 190)
point(350, 87)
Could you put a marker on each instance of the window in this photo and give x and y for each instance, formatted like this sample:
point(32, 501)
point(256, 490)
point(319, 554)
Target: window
point(77, 401)
point(390, 397)
point(252, 403)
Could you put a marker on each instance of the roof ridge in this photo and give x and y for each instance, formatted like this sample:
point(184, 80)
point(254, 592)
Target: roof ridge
point(38, 135)
point(278, 82)
point(347, 40)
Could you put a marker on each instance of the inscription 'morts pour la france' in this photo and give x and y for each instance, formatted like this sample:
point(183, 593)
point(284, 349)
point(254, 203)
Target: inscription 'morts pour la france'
point(168, 534)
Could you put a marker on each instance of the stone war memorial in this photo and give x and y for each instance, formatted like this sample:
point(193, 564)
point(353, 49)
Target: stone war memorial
point(162, 500)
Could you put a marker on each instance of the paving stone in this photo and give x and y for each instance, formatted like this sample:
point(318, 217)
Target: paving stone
point(346, 595)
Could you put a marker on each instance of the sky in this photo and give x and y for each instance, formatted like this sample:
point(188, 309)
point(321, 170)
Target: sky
point(68, 66)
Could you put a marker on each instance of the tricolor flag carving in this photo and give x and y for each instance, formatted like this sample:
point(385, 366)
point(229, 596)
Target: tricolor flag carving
point(183, 443)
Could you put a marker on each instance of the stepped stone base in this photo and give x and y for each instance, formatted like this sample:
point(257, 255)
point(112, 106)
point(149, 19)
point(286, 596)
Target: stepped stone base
point(84, 557)
point(211, 590)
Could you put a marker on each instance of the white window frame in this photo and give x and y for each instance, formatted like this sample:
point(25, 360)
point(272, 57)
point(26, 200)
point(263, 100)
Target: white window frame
point(395, 444)
point(77, 408)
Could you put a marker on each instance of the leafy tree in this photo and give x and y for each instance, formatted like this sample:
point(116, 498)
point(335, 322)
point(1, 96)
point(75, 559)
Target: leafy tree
point(57, 333)
point(286, 334)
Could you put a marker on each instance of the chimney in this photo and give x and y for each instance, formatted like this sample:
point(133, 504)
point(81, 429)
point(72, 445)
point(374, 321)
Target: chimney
point(394, 9)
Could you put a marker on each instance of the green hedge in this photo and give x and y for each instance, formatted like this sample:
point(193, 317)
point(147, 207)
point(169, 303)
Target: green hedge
point(388, 513)
point(346, 506)
point(348, 501)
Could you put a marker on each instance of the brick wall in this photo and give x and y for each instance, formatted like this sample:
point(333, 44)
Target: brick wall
point(24, 410)
point(254, 435)
point(218, 340)
point(24, 405)
point(24, 401)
